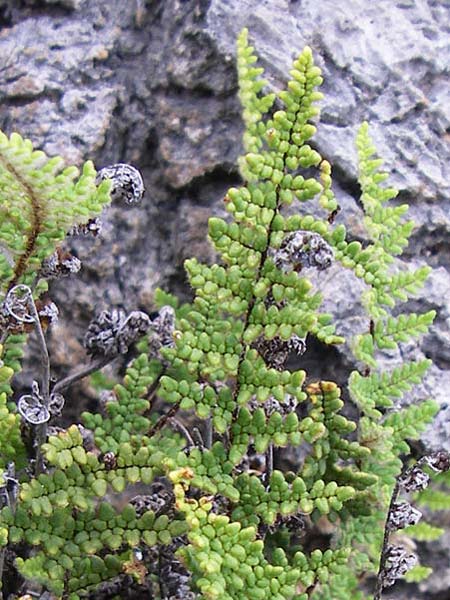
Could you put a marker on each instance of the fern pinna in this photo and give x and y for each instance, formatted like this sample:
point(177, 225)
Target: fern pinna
point(275, 493)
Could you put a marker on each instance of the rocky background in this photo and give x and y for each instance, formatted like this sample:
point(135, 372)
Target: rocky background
point(153, 83)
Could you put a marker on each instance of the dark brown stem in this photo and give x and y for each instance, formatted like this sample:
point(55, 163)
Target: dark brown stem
point(208, 433)
point(269, 465)
point(383, 557)
point(154, 386)
point(36, 224)
point(82, 372)
point(162, 587)
point(312, 588)
point(164, 418)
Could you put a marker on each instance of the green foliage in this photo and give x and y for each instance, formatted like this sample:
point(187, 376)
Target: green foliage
point(435, 499)
point(424, 532)
point(59, 513)
point(124, 412)
point(375, 390)
point(375, 263)
point(162, 298)
point(11, 445)
point(227, 560)
point(418, 573)
point(409, 423)
point(382, 389)
point(40, 201)
point(238, 527)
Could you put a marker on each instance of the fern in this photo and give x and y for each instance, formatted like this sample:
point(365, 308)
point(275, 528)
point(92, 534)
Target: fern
point(44, 200)
point(424, 532)
point(375, 392)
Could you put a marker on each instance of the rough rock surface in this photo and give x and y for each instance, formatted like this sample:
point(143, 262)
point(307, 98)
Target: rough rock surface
point(153, 83)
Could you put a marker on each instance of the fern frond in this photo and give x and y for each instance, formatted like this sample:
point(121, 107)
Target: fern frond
point(381, 389)
point(404, 284)
point(224, 358)
point(434, 499)
point(370, 176)
point(12, 447)
point(424, 532)
point(410, 422)
point(388, 333)
point(41, 200)
point(254, 104)
point(418, 573)
point(363, 348)
point(125, 409)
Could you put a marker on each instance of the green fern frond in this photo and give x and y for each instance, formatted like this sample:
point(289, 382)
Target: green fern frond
point(41, 202)
point(388, 333)
point(404, 284)
point(434, 499)
point(370, 178)
point(226, 363)
point(389, 234)
point(410, 422)
point(125, 410)
point(417, 574)
point(363, 348)
point(424, 532)
point(12, 447)
point(254, 104)
point(381, 389)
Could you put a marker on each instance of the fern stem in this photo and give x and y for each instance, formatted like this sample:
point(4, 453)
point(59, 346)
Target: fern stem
point(151, 392)
point(82, 372)
point(269, 465)
point(208, 433)
point(164, 418)
point(36, 223)
point(383, 557)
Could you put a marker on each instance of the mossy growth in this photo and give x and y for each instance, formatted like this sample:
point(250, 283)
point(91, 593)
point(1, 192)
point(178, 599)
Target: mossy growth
point(214, 518)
